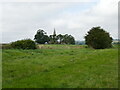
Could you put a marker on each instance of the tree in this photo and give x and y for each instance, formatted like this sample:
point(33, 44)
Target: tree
point(71, 39)
point(98, 38)
point(68, 39)
point(41, 37)
point(53, 38)
point(60, 38)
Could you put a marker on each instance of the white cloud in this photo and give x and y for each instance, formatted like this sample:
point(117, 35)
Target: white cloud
point(48, 0)
point(21, 20)
point(104, 14)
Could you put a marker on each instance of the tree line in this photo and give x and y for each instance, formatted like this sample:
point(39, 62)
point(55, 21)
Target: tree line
point(41, 37)
point(96, 38)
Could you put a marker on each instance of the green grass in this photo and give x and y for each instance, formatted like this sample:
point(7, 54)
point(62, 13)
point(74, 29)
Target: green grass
point(0, 69)
point(60, 66)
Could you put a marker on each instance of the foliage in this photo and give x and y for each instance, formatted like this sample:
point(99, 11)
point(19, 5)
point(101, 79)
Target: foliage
point(68, 39)
point(24, 44)
point(62, 39)
point(98, 38)
point(6, 46)
point(41, 37)
point(53, 39)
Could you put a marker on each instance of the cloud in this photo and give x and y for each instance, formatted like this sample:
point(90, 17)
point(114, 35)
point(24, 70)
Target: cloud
point(22, 20)
point(103, 14)
point(48, 0)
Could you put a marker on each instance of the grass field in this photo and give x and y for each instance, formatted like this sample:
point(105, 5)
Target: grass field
point(60, 66)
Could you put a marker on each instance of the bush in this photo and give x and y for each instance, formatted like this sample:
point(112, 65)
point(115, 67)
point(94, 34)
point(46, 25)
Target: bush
point(6, 46)
point(98, 38)
point(24, 44)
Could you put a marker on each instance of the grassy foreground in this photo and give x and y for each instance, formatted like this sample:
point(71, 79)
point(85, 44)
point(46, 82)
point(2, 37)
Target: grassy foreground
point(60, 66)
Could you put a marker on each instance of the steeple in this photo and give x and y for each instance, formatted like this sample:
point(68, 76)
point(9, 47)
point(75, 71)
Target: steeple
point(54, 33)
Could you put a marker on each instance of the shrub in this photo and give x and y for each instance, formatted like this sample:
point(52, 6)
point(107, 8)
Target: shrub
point(98, 38)
point(24, 44)
point(6, 46)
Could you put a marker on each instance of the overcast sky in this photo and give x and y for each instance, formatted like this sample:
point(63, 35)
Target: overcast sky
point(20, 20)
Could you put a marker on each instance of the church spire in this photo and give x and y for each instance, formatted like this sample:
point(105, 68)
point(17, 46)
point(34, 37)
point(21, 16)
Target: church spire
point(54, 33)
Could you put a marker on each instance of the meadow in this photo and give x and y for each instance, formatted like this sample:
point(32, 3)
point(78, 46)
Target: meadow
point(60, 66)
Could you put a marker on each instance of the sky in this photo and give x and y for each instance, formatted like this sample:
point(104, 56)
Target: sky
point(21, 19)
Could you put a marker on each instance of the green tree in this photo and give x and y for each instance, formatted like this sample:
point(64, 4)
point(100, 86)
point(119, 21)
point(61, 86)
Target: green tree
point(98, 38)
point(68, 39)
point(60, 38)
point(41, 37)
point(53, 38)
point(71, 39)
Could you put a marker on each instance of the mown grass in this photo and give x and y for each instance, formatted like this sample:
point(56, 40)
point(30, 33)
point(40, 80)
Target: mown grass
point(60, 66)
